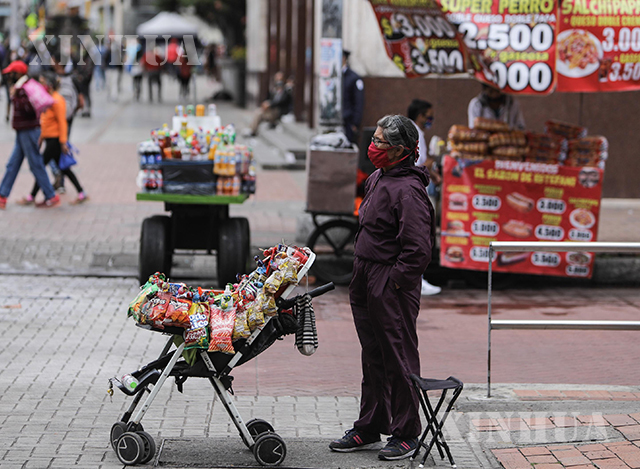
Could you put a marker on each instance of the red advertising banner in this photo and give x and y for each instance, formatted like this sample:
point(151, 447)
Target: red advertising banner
point(510, 42)
point(598, 45)
point(493, 200)
point(418, 38)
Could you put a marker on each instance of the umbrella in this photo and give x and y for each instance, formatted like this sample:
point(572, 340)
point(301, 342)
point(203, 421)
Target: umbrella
point(167, 23)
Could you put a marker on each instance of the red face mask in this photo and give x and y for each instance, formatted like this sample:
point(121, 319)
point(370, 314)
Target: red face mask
point(380, 158)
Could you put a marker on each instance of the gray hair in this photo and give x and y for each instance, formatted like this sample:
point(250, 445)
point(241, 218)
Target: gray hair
point(399, 131)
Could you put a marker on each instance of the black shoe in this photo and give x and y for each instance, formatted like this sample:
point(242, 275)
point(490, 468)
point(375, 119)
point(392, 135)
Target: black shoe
point(399, 448)
point(354, 440)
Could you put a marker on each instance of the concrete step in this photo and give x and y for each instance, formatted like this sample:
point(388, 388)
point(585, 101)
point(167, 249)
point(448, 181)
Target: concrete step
point(290, 141)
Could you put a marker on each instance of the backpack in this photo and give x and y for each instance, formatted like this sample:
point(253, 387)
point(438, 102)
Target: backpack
point(69, 93)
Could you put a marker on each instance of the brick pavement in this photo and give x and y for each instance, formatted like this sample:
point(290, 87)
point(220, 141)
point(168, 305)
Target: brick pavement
point(61, 338)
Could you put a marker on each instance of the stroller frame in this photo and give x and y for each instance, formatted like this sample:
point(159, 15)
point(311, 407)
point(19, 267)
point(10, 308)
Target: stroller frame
point(134, 446)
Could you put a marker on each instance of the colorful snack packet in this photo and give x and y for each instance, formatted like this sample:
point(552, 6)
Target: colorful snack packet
point(177, 314)
point(221, 328)
point(154, 310)
point(196, 336)
point(146, 292)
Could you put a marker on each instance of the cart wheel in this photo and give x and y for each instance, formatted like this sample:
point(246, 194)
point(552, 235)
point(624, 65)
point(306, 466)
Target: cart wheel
point(257, 427)
point(117, 429)
point(155, 247)
point(234, 240)
point(149, 447)
point(269, 449)
point(332, 242)
point(130, 448)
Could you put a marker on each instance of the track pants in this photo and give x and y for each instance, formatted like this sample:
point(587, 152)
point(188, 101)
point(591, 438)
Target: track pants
point(385, 320)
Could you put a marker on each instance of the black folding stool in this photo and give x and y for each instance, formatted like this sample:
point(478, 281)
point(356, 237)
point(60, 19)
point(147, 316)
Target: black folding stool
point(422, 385)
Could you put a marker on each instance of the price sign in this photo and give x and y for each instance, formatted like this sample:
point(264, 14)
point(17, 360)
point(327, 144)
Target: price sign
point(580, 235)
point(511, 44)
point(486, 202)
point(577, 270)
point(549, 233)
point(608, 57)
point(551, 206)
point(480, 254)
point(545, 259)
point(485, 228)
point(418, 38)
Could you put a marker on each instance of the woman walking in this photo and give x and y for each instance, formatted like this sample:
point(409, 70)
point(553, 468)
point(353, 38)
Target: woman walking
point(53, 124)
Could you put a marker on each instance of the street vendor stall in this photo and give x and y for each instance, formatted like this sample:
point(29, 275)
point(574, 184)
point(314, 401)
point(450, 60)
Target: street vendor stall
point(197, 170)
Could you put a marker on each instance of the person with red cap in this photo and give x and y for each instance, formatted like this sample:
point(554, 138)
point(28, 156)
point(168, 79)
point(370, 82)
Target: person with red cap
point(27, 126)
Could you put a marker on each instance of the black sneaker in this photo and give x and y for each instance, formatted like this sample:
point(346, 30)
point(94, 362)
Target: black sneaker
point(354, 440)
point(399, 448)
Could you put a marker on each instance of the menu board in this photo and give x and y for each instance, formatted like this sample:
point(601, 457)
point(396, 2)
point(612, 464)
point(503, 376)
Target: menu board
point(494, 200)
point(418, 38)
point(510, 42)
point(598, 46)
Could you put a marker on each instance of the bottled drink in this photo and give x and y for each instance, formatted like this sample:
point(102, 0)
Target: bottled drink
point(213, 111)
point(200, 110)
point(129, 382)
point(159, 181)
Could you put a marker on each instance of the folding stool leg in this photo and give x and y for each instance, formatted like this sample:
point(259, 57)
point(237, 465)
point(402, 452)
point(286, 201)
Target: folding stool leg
point(440, 425)
point(434, 421)
point(431, 419)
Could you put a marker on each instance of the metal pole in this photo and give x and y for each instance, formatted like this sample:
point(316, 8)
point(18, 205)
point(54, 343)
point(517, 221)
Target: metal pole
point(14, 28)
point(489, 324)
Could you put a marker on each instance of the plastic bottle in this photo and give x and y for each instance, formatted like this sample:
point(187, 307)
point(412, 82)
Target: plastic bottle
point(235, 190)
point(213, 111)
point(129, 382)
point(159, 181)
point(200, 110)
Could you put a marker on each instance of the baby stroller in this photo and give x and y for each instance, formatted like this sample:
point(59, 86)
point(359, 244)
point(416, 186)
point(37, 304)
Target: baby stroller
point(294, 315)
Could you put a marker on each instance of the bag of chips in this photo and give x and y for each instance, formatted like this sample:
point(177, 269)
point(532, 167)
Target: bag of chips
point(221, 329)
point(196, 336)
point(255, 316)
point(154, 310)
point(177, 314)
point(146, 292)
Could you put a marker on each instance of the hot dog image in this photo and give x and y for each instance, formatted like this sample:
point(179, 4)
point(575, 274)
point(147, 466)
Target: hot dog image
point(510, 258)
point(519, 202)
point(517, 229)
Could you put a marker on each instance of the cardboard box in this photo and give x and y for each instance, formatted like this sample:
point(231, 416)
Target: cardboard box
point(331, 181)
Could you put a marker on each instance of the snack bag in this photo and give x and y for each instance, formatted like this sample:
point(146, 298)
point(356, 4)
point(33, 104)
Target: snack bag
point(177, 313)
point(196, 337)
point(272, 284)
point(267, 304)
point(221, 328)
point(289, 269)
point(241, 328)
point(154, 310)
point(148, 291)
point(255, 316)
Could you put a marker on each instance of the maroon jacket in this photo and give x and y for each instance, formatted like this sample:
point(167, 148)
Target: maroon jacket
point(24, 116)
point(397, 223)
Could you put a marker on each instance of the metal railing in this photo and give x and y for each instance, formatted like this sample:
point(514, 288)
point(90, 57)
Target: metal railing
point(529, 246)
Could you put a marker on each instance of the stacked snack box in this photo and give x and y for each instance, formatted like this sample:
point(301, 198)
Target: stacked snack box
point(196, 160)
point(502, 184)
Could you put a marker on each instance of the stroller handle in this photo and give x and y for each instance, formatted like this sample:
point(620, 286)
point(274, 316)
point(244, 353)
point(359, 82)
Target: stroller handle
point(287, 304)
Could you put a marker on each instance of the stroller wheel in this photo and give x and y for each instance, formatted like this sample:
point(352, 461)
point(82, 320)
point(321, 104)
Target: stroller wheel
point(117, 430)
point(269, 449)
point(257, 427)
point(149, 447)
point(130, 448)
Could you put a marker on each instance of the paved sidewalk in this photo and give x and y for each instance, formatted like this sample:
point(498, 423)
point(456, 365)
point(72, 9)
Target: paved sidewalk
point(62, 338)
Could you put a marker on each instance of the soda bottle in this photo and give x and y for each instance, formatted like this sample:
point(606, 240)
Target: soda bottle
point(235, 185)
point(146, 180)
point(219, 186)
point(129, 382)
point(213, 110)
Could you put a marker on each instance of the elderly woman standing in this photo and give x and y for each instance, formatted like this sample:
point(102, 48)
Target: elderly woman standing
point(392, 250)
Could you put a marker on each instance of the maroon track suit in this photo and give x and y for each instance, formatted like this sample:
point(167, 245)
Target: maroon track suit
point(393, 247)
